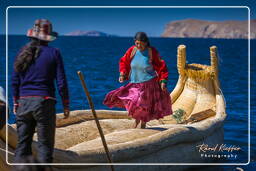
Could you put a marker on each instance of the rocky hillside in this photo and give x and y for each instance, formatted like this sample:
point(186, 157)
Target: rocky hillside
point(88, 33)
point(210, 29)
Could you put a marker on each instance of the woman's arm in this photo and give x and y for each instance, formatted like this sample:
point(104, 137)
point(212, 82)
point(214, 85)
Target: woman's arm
point(124, 64)
point(160, 66)
point(15, 79)
point(62, 83)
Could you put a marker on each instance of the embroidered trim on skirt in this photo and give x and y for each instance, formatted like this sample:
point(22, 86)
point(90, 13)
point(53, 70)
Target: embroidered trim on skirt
point(143, 101)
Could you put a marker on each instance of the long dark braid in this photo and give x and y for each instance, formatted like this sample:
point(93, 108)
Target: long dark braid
point(28, 55)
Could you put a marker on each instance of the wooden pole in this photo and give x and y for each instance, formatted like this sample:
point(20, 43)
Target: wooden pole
point(80, 74)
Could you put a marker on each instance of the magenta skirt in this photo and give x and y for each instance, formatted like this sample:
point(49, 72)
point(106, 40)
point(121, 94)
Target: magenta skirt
point(143, 101)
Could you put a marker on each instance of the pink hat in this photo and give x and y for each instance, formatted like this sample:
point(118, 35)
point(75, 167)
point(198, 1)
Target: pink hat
point(42, 30)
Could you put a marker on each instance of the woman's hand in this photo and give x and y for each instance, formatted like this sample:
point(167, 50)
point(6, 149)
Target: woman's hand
point(121, 78)
point(15, 108)
point(66, 113)
point(163, 86)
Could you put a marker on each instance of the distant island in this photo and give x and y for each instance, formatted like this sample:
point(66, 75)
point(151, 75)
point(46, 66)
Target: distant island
point(191, 28)
point(92, 33)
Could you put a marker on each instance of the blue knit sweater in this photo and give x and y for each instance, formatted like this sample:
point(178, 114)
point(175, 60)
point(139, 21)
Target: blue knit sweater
point(39, 78)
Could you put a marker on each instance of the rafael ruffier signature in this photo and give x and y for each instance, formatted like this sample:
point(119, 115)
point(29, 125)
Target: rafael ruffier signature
point(217, 148)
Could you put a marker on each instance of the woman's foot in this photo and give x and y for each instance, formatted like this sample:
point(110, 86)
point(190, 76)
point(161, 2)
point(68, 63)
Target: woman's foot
point(143, 125)
point(136, 123)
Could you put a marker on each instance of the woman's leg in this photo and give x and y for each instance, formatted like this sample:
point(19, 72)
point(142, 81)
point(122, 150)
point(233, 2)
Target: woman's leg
point(143, 125)
point(25, 130)
point(46, 119)
point(136, 123)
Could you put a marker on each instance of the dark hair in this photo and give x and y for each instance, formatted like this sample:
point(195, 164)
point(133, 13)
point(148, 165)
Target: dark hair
point(28, 55)
point(142, 36)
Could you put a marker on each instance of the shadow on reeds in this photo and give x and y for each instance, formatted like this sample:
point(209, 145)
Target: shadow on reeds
point(158, 129)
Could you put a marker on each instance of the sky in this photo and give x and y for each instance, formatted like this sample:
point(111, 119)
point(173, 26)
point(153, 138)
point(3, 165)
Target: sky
point(118, 21)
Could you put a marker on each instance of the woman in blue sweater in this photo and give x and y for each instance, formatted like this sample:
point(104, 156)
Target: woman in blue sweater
point(36, 68)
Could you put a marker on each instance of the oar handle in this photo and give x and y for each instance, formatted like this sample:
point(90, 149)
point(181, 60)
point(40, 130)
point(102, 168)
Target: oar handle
point(81, 77)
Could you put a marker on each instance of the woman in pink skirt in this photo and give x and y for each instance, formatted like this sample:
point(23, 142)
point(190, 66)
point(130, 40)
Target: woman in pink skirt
point(145, 97)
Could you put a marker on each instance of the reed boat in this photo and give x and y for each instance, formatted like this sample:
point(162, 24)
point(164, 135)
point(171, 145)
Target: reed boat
point(199, 113)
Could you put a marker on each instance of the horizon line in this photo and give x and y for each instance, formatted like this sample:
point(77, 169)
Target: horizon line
point(133, 36)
